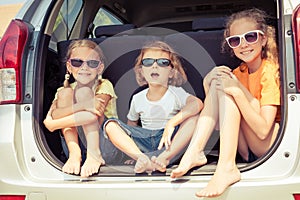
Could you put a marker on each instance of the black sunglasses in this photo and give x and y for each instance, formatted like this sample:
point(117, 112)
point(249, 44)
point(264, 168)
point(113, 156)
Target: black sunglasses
point(78, 63)
point(250, 37)
point(162, 62)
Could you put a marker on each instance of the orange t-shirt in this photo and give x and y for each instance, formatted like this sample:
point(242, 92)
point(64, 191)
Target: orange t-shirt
point(264, 84)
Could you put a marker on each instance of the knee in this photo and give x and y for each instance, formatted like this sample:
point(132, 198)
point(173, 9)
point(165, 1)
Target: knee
point(65, 93)
point(84, 93)
point(110, 126)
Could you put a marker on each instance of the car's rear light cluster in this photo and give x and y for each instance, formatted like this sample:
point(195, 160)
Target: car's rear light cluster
point(296, 196)
point(296, 33)
point(12, 46)
point(12, 197)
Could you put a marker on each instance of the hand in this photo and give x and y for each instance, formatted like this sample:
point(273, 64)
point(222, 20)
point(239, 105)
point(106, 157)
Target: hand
point(166, 137)
point(228, 84)
point(95, 106)
point(214, 74)
point(100, 105)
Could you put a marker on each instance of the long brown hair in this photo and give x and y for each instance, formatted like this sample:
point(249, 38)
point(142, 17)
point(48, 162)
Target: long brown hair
point(259, 17)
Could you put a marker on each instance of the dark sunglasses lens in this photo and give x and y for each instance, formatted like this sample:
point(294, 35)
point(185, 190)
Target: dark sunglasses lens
point(251, 37)
point(76, 62)
point(234, 41)
point(93, 63)
point(147, 62)
point(162, 62)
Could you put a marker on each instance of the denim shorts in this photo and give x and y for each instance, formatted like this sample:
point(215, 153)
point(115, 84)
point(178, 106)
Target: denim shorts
point(146, 140)
point(110, 153)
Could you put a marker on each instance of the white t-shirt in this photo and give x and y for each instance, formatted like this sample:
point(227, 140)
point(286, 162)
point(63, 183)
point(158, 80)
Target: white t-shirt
point(155, 114)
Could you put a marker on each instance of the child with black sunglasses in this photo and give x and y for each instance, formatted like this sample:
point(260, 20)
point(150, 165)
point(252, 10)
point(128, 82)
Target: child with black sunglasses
point(168, 113)
point(79, 109)
point(244, 104)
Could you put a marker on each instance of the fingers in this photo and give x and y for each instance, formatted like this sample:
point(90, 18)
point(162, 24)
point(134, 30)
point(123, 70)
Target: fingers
point(161, 144)
point(100, 99)
point(166, 138)
point(165, 141)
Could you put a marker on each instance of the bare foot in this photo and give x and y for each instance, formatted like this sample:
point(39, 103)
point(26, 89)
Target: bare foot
point(72, 166)
point(220, 181)
point(160, 164)
point(91, 164)
point(189, 160)
point(143, 164)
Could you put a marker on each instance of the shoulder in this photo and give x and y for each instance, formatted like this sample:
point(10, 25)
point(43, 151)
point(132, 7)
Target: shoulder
point(242, 68)
point(141, 93)
point(270, 67)
point(105, 83)
point(105, 87)
point(175, 89)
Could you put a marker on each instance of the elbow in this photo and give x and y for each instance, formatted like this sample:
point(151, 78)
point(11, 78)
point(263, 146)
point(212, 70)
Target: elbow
point(48, 126)
point(263, 135)
point(199, 105)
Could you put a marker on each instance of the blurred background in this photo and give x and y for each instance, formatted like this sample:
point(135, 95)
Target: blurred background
point(8, 10)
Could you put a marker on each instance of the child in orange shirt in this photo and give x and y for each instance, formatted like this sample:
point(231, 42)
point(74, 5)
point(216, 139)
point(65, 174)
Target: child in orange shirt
point(243, 104)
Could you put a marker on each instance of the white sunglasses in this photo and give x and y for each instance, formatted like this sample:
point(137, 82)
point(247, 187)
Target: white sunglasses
point(250, 37)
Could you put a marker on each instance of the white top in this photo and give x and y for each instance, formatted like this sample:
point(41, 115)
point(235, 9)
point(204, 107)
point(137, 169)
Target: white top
point(155, 114)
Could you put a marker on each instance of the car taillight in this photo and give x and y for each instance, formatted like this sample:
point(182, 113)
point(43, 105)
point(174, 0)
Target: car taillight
point(12, 46)
point(12, 197)
point(296, 33)
point(296, 196)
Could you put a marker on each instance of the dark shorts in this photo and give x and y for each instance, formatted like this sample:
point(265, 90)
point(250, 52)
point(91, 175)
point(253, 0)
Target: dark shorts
point(251, 157)
point(146, 140)
point(110, 153)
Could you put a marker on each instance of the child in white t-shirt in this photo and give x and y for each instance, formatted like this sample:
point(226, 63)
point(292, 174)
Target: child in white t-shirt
point(168, 113)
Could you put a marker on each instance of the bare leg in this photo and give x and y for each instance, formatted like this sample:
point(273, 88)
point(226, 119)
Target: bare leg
point(93, 159)
point(248, 139)
point(194, 155)
point(123, 142)
point(72, 166)
point(227, 172)
point(180, 140)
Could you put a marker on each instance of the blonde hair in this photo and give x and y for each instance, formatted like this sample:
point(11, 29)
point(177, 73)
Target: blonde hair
point(269, 51)
point(179, 75)
point(85, 43)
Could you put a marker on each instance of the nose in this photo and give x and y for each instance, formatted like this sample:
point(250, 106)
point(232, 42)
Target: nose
point(155, 65)
point(243, 42)
point(84, 65)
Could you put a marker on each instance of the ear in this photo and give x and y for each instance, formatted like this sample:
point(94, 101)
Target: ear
point(100, 68)
point(264, 40)
point(69, 67)
point(172, 73)
point(140, 71)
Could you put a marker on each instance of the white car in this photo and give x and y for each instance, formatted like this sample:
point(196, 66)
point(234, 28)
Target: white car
point(32, 52)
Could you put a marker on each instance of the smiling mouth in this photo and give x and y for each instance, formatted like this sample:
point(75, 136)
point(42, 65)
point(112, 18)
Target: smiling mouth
point(246, 52)
point(84, 74)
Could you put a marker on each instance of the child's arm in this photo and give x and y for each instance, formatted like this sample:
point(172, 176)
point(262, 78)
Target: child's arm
point(260, 121)
point(259, 118)
point(214, 74)
point(192, 107)
point(79, 118)
point(89, 105)
point(76, 119)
